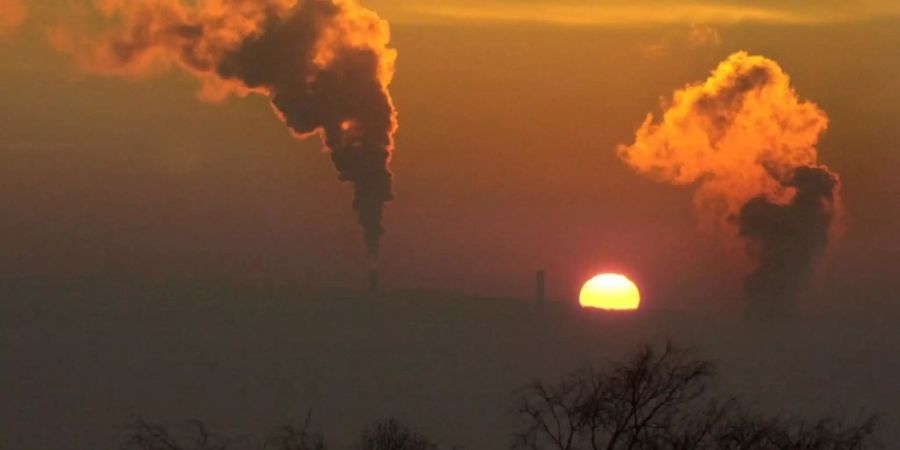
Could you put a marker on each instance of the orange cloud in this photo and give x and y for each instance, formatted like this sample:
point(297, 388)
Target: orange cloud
point(12, 13)
point(593, 13)
point(695, 37)
point(703, 35)
point(633, 12)
point(737, 135)
point(748, 143)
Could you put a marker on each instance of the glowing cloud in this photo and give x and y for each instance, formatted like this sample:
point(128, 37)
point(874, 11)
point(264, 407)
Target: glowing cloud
point(694, 37)
point(589, 14)
point(325, 64)
point(747, 142)
point(12, 14)
point(635, 12)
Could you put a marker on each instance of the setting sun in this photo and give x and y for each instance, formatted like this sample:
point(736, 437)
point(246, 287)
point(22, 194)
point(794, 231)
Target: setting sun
point(610, 291)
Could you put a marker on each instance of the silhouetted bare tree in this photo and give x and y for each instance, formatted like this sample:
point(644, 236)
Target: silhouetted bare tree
point(391, 434)
point(296, 437)
point(745, 431)
point(555, 413)
point(194, 435)
point(660, 400)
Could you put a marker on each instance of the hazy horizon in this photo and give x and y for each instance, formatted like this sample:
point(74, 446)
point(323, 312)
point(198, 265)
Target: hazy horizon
point(152, 220)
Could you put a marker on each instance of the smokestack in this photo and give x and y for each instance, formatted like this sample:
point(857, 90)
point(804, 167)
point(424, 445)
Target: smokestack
point(373, 281)
point(539, 286)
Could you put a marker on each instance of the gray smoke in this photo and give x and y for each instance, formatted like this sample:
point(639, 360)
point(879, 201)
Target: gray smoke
point(787, 239)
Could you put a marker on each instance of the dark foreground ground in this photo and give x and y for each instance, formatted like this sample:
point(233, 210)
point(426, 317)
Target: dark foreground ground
point(77, 361)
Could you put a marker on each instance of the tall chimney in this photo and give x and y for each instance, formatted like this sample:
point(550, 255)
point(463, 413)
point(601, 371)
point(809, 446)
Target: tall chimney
point(373, 281)
point(539, 286)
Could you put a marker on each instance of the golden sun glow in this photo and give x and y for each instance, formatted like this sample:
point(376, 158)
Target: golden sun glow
point(610, 291)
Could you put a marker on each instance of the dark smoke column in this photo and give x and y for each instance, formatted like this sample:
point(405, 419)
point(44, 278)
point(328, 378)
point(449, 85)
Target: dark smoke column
point(332, 85)
point(325, 65)
point(786, 240)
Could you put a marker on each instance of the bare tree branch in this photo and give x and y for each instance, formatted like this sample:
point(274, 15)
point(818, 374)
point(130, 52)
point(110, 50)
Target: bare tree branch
point(660, 399)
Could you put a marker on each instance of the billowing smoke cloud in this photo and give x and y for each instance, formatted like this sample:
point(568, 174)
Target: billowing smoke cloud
point(12, 13)
point(325, 65)
point(747, 142)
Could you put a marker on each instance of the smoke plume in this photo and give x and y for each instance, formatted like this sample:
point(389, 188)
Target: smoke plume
point(786, 238)
point(324, 64)
point(748, 144)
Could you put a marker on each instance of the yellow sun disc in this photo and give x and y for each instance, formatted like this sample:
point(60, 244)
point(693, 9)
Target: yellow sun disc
point(610, 291)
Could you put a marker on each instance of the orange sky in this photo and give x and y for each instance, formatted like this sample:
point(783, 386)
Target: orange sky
point(505, 157)
point(631, 12)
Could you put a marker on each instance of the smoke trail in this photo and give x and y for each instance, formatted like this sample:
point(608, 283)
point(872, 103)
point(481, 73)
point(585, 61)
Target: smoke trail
point(747, 142)
point(325, 65)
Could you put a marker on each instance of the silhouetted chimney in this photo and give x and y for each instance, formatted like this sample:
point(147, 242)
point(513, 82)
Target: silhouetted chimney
point(539, 287)
point(373, 281)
